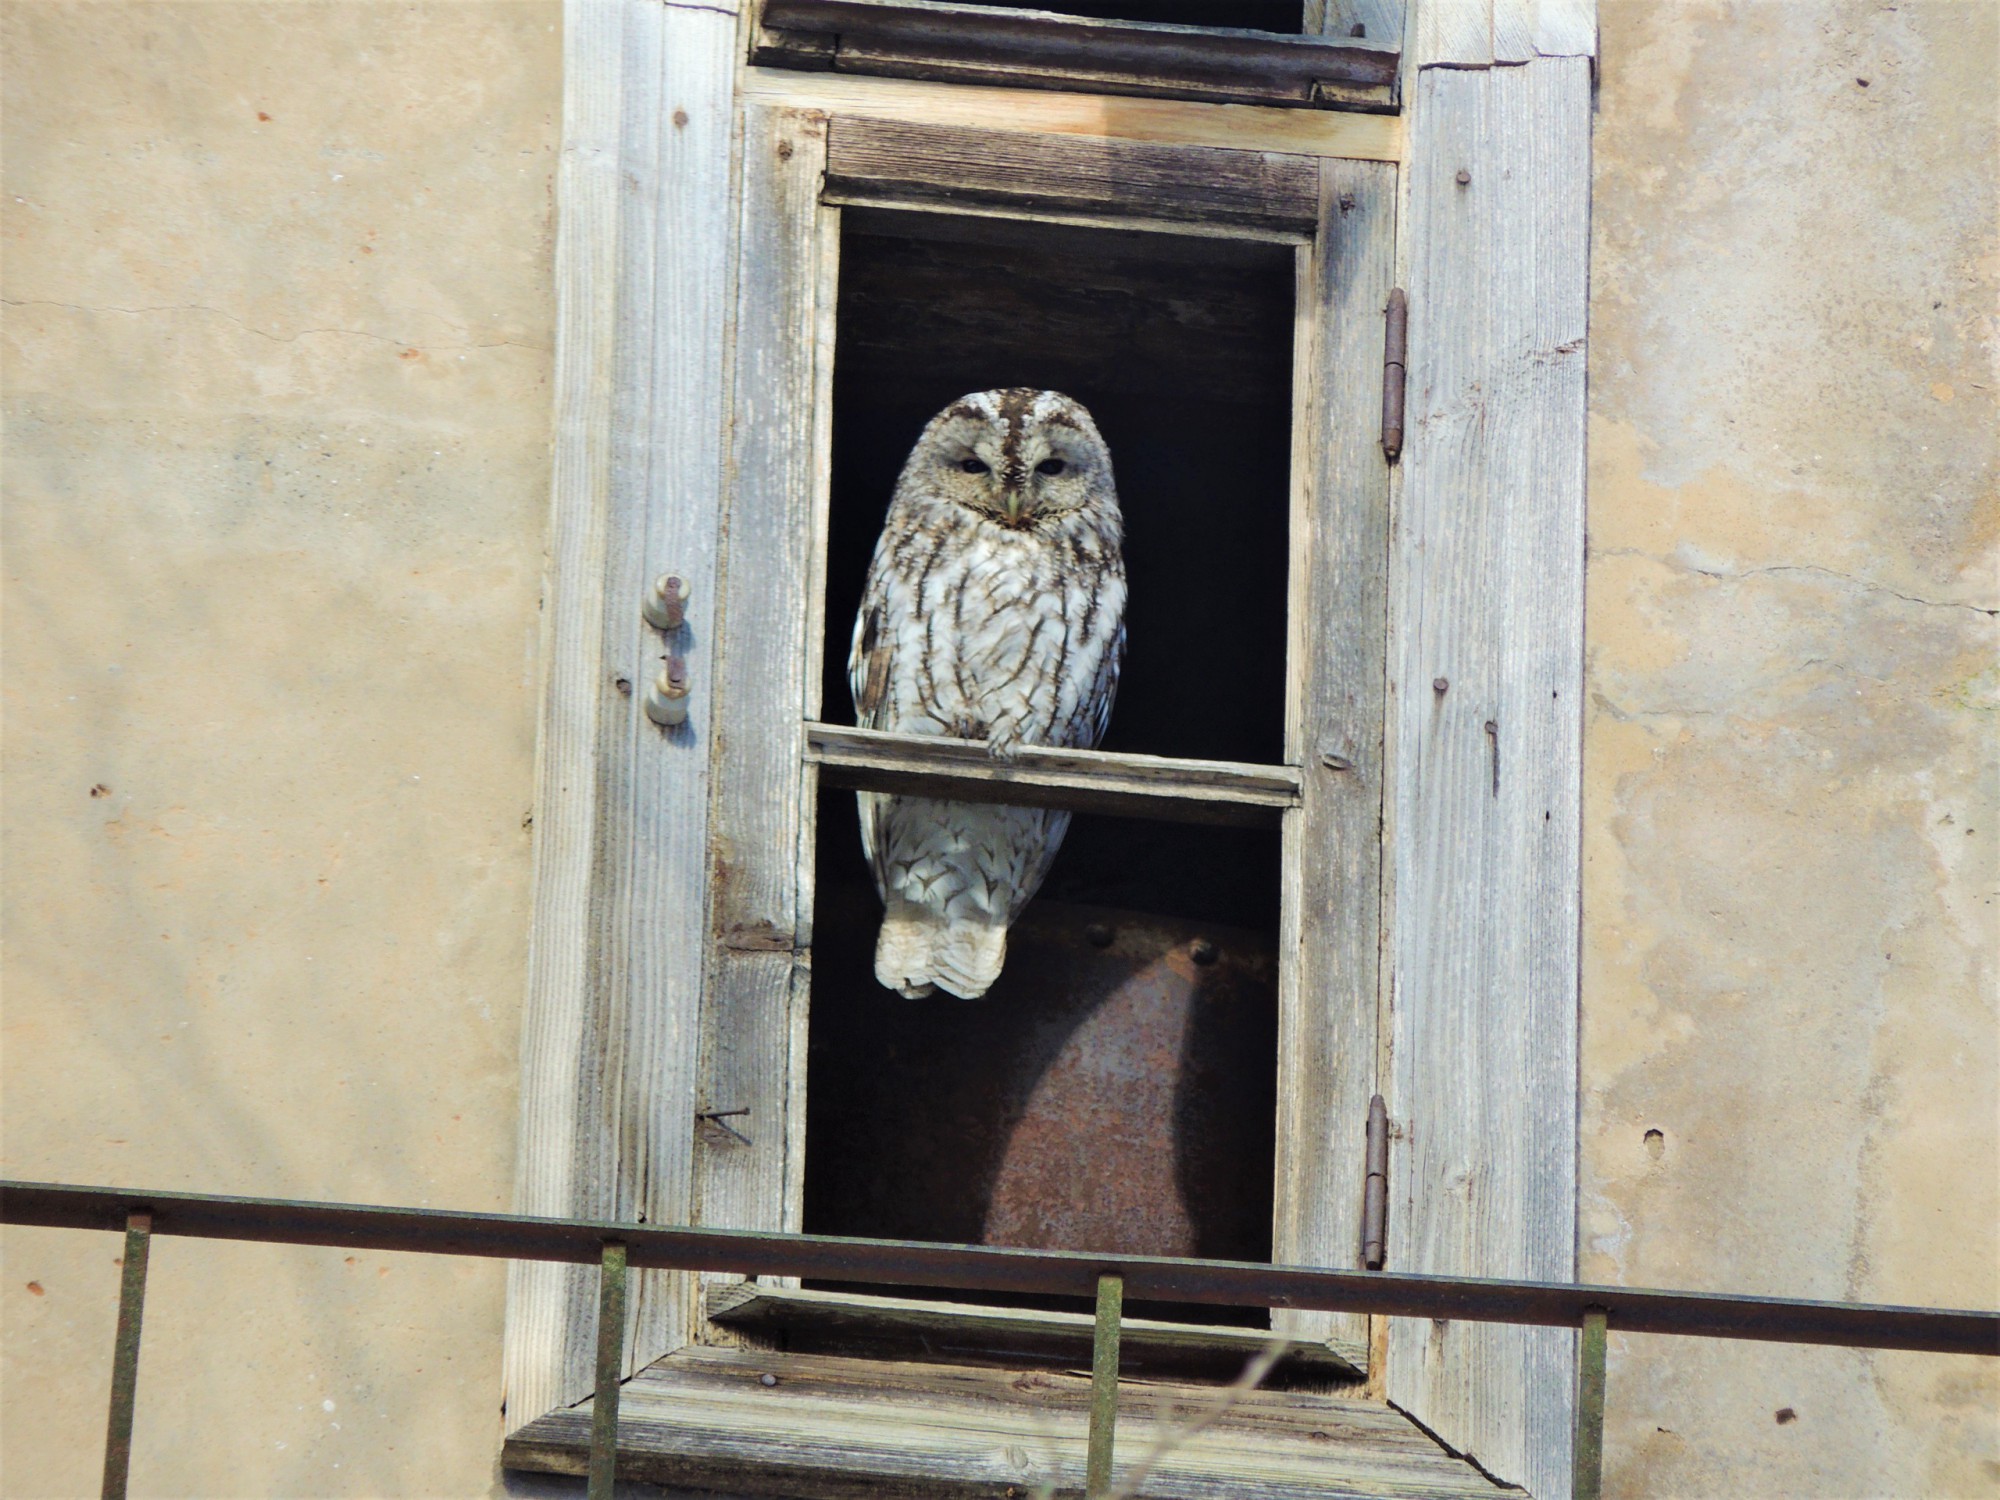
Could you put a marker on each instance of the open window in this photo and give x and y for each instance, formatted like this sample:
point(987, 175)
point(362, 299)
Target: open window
point(1210, 930)
point(1276, 52)
point(1117, 1088)
point(765, 285)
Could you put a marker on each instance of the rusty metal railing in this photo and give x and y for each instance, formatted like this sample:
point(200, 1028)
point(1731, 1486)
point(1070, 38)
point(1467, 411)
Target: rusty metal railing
point(615, 1248)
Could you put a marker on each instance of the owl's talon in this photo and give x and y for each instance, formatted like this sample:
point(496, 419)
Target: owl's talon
point(1004, 744)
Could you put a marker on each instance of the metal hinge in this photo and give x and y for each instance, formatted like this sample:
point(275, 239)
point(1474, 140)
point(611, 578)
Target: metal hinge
point(1375, 1196)
point(1395, 344)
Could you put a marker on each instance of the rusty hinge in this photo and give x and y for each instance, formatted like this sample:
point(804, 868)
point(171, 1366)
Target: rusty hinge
point(1395, 345)
point(1375, 1196)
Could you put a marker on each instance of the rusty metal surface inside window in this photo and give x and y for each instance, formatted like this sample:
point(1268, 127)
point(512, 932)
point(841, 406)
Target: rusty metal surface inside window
point(1286, 17)
point(1114, 1090)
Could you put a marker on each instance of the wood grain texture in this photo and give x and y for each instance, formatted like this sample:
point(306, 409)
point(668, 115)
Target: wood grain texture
point(835, 1427)
point(1487, 601)
point(1331, 918)
point(620, 815)
point(543, 1365)
point(1242, 127)
point(1379, 20)
point(1566, 28)
point(843, 1322)
point(753, 1015)
point(944, 41)
point(891, 161)
point(1095, 781)
point(666, 517)
point(1514, 30)
point(1448, 33)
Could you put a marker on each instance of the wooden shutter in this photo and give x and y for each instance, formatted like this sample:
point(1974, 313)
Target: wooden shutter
point(1486, 724)
point(643, 258)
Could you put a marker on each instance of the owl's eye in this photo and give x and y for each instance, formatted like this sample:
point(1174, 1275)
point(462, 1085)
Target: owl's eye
point(973, 465)
point(1050, 466)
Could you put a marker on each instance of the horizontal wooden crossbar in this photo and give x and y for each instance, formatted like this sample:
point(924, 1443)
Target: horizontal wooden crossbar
point(950, 42)
point(989, 1268)
point(949, 166)
point(1086, 781)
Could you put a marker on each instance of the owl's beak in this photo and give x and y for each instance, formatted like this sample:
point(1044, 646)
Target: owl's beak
point(1016, 501)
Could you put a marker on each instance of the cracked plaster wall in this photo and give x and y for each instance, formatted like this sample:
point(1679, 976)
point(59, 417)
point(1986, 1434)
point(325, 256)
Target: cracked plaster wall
point(276, 362)
point(277, 415)
point(1791, 787)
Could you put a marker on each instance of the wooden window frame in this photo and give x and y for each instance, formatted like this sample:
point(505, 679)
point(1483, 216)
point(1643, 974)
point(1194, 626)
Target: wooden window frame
point(627, 1043)
point(944, 41)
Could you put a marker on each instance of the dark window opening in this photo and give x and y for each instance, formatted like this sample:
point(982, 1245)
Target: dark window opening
point(1181, 348)
point(1116, 1088)
point(1284, 16)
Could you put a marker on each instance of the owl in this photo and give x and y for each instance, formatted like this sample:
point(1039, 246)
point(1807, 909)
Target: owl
point(995, 611)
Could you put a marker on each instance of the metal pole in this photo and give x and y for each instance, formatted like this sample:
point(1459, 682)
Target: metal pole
point(992, 1268)
point(1587, 1455)
point(125, 1355)
point(610, 1366)
point(1104, 1384)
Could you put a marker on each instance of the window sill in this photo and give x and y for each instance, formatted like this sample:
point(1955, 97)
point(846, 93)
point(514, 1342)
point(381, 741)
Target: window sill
point(863, 1324)
point(834, 1427)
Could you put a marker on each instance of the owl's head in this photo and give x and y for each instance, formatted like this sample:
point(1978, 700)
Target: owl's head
point(1017, 457)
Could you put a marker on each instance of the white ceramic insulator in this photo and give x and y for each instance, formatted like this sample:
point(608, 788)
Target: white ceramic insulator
point(666, 606)
point(666, 704)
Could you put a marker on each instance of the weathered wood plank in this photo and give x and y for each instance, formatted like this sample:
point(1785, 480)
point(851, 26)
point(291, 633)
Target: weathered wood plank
point(1566, 28)
point(1379, 20)
point(948, 1330)
point(1093, 781)
point(1451, 34)
point(753, 1012)
point(621, 810)
point(666, 517)
point(1514, 30)
point(895, 161)
point(828, 1426)
point(543, 1364)
point(943, 41)
point(1487, 613)
point(1333, 848)
point(1306, 132)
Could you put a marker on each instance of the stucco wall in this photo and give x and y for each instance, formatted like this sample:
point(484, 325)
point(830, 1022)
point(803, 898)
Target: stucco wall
point(277, 423)
point(278, 350)
point(1791, 807)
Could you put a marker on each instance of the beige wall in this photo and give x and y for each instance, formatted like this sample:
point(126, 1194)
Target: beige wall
point(277, 425)
point(277, 447)
point(1791, 806)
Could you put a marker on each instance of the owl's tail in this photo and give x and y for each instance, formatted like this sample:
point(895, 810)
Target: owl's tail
point(920, 950)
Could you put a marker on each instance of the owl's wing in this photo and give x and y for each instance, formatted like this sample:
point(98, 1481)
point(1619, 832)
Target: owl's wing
point(1094, 711)
point(869, 660)
point(873, 653)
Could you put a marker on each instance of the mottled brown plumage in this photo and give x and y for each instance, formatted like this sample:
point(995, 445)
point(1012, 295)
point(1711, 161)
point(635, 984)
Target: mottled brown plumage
point(994, 611)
